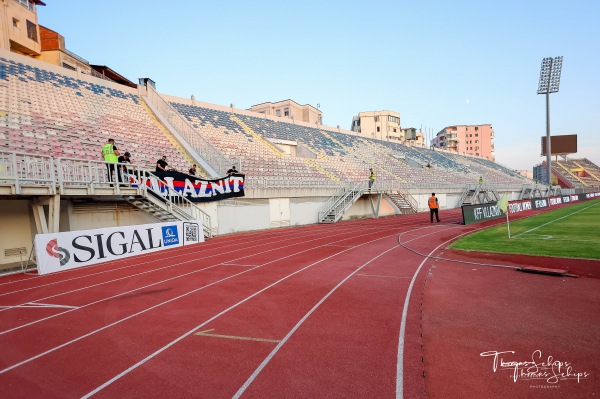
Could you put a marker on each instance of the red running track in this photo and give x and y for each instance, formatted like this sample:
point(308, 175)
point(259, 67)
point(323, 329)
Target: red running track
point(325, 311)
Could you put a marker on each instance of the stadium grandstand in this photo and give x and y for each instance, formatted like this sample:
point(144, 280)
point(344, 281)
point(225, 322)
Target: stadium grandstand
point(54, 120)
point(578, 174)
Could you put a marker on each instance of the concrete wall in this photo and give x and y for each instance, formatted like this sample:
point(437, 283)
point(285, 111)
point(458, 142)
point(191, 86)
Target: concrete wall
point(228, 216)
point(17, 230)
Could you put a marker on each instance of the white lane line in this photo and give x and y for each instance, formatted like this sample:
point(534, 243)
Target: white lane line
point(400, 364)
point(146, 286)
point(170, 344)
point(379, 276)
point(293, 330)
point(208, 333)
point(237, 265)
point(169, 301)
point(179, 254)
point(33, 305)
point(400, 358)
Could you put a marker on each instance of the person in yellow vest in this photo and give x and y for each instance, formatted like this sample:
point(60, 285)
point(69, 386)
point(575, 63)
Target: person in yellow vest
point(371, 179)
point(111, 157)
point(433, 208)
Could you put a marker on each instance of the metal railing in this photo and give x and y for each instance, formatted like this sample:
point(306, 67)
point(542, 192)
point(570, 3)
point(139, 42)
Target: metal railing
point(21, 169)
point(340, 202)
point(85, 173)
point(328, 205)
point(206, 150)
point(175, 202)
point(258, 182)
point(93, 175)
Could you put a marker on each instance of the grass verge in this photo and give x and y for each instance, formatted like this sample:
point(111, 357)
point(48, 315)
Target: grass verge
point(570, 232)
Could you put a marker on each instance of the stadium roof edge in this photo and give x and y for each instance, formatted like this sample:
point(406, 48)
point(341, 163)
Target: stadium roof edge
point(289, 99)
point(113, 75)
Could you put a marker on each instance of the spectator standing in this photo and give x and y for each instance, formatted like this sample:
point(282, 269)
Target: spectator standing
point(192, 171)
point(161, 166)
point(433, 208)
point(480, 180)
point(232, 171)
point(124, 159)
point(371, 178)
point(110, 153)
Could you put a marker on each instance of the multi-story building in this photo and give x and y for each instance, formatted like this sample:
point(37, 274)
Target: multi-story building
point(381, 125)
point(19, 30)
point(291, 110)
point(53, 51)
point(476, 140)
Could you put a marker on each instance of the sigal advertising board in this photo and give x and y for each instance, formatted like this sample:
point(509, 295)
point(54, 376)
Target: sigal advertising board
point(72, 249)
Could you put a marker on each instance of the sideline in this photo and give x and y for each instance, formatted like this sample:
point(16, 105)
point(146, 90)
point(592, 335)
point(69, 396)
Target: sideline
point(555, 220)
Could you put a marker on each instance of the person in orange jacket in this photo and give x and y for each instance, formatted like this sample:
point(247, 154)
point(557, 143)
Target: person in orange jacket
point(433, 208)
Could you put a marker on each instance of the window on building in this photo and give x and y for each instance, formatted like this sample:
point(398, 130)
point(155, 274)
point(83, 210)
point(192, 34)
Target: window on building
point(476, 141)
point(376, 119)
point(394, 130)
point(71, 67)
point(476, 134)
point(277, 112)
point(28, 4)
point(32, 31)
point(286, 112)
point(378, 129)
point(16, 23)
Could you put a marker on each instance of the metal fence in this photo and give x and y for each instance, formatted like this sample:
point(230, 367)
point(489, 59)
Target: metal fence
point(206, 150)
point(21, 170)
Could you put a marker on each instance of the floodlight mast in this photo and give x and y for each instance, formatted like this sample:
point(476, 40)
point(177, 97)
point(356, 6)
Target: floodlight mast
point(549, 83)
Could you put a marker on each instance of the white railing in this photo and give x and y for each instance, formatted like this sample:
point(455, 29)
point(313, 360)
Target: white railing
point(205, 149)
point(327, 206)
point(338, 203)
point(258, 182)
point(85, 173)
point(94, 175)
point(21, 169)
point(175, 202)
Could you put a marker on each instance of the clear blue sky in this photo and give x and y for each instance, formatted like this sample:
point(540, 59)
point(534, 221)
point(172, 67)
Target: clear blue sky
point(436, 62)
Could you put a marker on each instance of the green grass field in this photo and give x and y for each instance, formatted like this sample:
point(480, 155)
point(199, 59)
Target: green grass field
point(570, 232)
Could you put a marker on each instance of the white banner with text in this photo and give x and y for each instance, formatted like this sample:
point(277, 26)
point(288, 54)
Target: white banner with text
point(72, 249)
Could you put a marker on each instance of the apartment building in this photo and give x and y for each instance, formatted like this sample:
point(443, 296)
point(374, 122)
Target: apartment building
point(381, 125)
point(19, 30)
point(475, 140)
point(291, 110)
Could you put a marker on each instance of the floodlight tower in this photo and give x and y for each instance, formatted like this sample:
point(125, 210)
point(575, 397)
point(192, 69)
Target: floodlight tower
point(549, 83)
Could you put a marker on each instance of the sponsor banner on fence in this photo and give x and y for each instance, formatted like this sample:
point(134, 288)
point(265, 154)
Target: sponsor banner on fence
point(540, 203)
point(520, 206)
point(481, 213)
point(72, 249)
point(555, 201)
point(193, 188)
point(589, 196)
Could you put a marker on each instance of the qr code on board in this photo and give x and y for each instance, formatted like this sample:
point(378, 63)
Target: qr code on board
point(191, 233)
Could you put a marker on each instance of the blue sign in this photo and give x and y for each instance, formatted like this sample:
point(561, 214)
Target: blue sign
point(170, 235)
